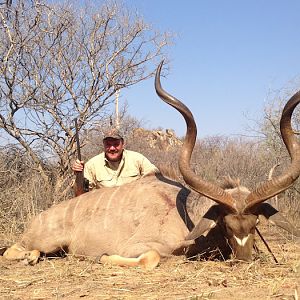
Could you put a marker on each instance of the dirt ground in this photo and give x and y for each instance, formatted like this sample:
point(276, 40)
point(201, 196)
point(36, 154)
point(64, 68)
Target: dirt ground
point(174, 278)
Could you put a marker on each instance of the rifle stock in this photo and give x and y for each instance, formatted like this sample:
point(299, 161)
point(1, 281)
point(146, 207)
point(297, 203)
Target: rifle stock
point(79, 180)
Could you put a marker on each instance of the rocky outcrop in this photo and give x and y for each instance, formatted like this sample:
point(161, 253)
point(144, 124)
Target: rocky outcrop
point(158, 139)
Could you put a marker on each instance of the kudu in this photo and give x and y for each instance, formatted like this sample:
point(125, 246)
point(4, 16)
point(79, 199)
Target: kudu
point(138, 223)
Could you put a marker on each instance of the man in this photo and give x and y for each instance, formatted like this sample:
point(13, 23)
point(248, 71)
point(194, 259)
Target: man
point(116, 165)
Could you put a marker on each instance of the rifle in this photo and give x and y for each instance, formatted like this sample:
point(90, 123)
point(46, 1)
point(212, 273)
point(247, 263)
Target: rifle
point(79, 181)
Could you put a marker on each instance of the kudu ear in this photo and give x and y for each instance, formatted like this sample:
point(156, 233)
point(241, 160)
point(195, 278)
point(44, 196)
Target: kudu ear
point(276, 218)
point(207, 222)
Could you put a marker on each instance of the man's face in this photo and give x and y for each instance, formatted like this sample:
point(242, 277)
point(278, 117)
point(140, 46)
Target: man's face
point(113, 149)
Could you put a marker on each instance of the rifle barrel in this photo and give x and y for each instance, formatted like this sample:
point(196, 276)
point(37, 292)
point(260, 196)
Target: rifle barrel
point(79, 181)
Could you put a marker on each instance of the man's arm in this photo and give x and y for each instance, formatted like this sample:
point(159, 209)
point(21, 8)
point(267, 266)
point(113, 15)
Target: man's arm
point(78, 167)
point(146, 167)
point(90, 175)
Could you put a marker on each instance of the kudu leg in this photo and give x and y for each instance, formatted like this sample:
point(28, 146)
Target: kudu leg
point(148, 260)
point(17, 252)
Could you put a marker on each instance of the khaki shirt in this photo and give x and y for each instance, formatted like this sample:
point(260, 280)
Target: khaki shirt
point(101, 173)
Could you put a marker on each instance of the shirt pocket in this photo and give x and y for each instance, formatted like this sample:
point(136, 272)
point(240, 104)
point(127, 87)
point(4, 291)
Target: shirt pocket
point(130, 173)
point(129, 176)
point(106, 180)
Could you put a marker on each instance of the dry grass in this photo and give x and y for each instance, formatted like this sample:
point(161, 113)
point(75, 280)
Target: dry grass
point(174, 278)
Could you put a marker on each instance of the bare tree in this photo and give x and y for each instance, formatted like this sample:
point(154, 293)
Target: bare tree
point(268, 127)
point(58, 63)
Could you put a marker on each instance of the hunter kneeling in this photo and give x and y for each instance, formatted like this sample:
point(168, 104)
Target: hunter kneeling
point(115, 166)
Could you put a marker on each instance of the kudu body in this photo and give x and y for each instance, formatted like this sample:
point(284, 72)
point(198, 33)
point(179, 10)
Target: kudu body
point(138, 223)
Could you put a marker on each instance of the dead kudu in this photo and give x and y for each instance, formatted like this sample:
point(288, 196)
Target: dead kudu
point(138, 223)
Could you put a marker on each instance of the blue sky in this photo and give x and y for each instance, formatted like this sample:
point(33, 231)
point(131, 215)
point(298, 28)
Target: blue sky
point(226, 59)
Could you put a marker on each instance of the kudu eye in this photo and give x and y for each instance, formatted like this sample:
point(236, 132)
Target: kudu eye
point(229, 229)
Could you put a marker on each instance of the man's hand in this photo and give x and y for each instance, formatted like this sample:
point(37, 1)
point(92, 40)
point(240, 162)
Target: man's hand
point(78, 165)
